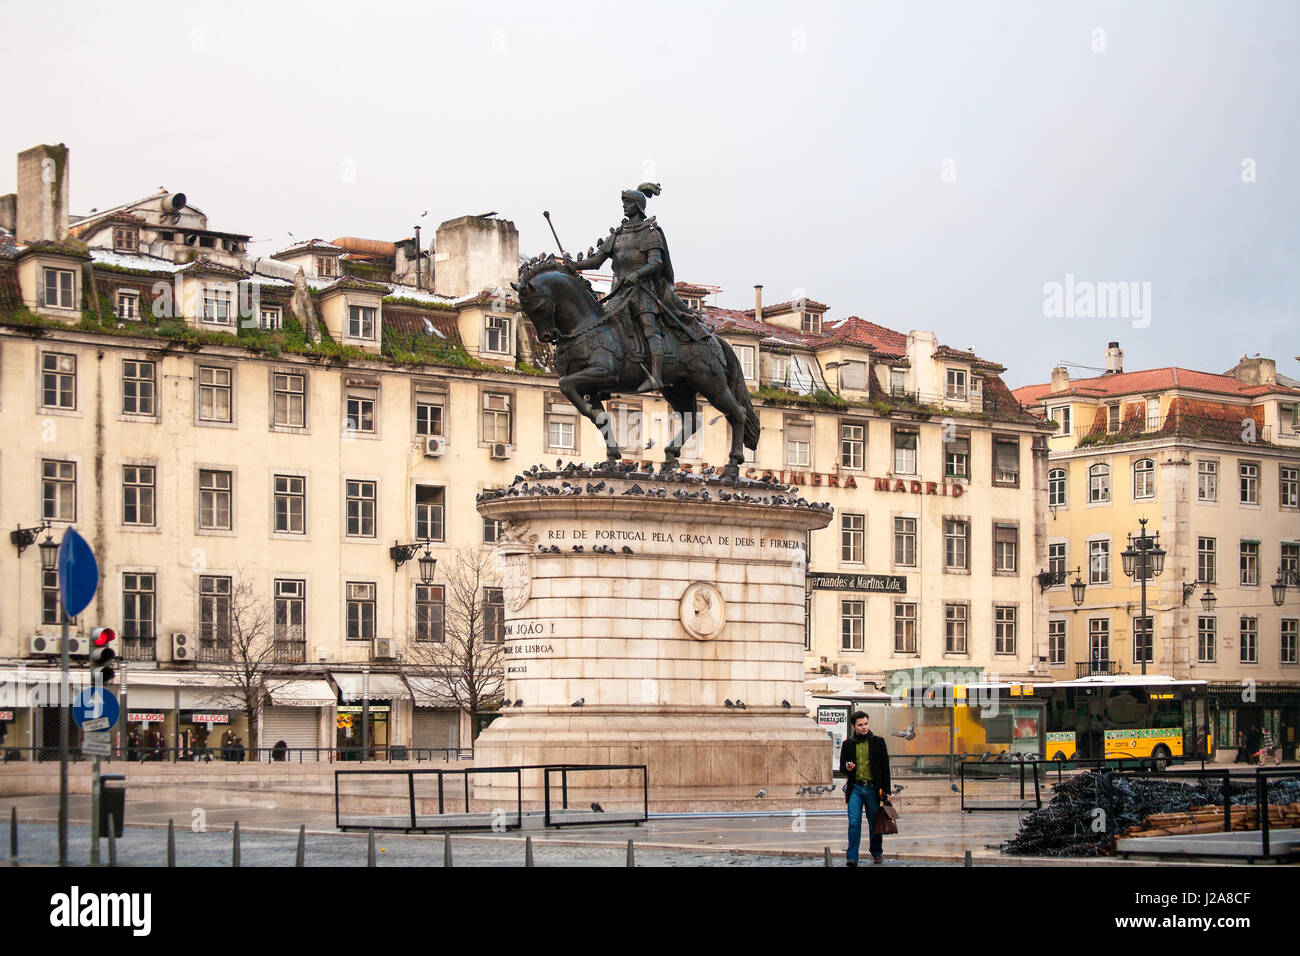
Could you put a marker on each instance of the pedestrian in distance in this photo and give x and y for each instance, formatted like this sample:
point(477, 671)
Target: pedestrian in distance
point(864, 761)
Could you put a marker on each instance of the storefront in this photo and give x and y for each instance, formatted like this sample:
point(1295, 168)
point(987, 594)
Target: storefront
point(435, 721)
point(1245, 713)
point(30, 696)
point(383, 698)
point(179, 715)
point(293, 717)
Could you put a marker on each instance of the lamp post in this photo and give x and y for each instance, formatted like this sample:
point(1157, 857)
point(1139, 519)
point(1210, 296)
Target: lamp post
point(1143, 559)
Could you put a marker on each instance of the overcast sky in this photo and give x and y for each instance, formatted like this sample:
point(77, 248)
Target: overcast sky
point(922, 165)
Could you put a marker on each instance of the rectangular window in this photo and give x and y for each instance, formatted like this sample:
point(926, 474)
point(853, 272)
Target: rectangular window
point(798, 445)
point(58, 490)
point(327, 267)
point(1056, 561)
point(138, 601)
point(428, 417)
point(1099, 644)
point(494, 615)
point(956, 544)
point(1057, 489)
point(216, 306)
point(852, 538)
point(1153, 414)
point(904, 627)
point(811, 323)
point(1099, 562)
point(955, 390)
point(215, 394)
point(1249, 482)
point(1006, 548)
point(1006, 461)
point(1004, 630)
point(897, 382)
point(1112, 418)
point(1061, 415)
point(1250, 640)
point(138, 495)
point(1290, 633)
point(954, 628)
point(496, 334)
point(1291, 561)
point(361, 321)
point(430, 610)
point(214, 617)
point(128, 305)
point(1207, 561)
point(126, 239)
point(360, 508)
point(1289, 486)
point(956, 457)
point(852, 623)
point(429, 513)
point(496, 417)
point(853, 375)
point(745, 353)
point(290, 504)
point(59, 289)
point(289, 624)
point(360, 414)
point(905, 452)
point(1250, 563)
point(1207, 480)
point(139, 387)
point(58, 380)
point(853, 446)
point(215, 500)
point(905, 542)
point(1207, 631)
point(491, 530)
point(1143, 639)
point(360, 611)
point(1056, 642)
point(1144, 478)
point(289, 400)
point(269, 318)
point(51, 598)
point(561, 430)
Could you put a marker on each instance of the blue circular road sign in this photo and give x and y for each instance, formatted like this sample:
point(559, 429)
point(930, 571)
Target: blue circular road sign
point(96, 704)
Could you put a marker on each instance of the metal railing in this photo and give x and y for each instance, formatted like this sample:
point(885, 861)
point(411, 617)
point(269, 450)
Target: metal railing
point(213, 652)
point(1095, 668)
point(136, 648)
point(290, 652)
point(298, 755)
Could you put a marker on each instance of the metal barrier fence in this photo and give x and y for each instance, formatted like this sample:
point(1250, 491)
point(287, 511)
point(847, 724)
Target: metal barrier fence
point(243, 754)
point(1258, 780)
point(476, 798)
point(1023, 774)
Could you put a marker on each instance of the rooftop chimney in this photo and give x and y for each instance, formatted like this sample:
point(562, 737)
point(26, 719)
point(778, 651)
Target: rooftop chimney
point(1255, 371)
point(758, 303)
point(1114, 359)
point(1060, 378)
point(42, 194)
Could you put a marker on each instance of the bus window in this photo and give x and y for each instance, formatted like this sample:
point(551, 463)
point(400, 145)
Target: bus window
point(1124, 711)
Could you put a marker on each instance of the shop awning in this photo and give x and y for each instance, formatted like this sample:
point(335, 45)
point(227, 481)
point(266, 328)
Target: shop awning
point(303, 693)
point(37, 686)
point(382, 686)
point(426, 694)
point(159, 690)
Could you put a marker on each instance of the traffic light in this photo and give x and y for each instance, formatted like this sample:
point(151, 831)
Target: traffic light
point(102, 655)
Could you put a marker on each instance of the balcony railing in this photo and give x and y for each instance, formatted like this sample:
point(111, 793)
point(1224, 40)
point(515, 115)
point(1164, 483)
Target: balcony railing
point(290, 652)
point(213, 651)
point(1095, 668)
point(136, 649)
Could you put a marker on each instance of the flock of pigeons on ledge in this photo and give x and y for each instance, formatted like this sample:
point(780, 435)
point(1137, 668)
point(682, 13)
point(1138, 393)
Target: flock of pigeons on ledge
point(575, 479)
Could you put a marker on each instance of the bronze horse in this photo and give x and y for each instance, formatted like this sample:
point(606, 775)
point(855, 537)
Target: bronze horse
point(595, 358)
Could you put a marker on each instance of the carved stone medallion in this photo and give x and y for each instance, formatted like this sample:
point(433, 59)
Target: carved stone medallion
point(516, 581)
point(703, 611)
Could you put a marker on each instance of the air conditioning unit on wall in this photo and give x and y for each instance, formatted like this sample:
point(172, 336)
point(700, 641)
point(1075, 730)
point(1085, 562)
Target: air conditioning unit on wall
point(846, 669)
point(501, 451)
point(383, 648)
point(182, 647)
point(434, 447)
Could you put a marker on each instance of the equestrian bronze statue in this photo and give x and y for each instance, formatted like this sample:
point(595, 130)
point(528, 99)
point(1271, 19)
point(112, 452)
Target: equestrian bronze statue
point(639, 338)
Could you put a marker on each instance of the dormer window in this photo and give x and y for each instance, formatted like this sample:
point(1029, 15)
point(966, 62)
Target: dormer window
point(126, 239)
point(692, 303)
point(496, 334)
point(361, 321)
point(896, 382)
point(956, 390)
point(327, 267)
point(812, 323)
point(128, 304)
point(59, 285)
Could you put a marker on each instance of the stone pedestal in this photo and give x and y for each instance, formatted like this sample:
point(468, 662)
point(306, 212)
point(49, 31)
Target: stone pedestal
point(637, 607)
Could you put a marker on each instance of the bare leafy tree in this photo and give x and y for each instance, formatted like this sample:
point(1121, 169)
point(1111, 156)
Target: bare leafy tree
point(244, 646)
point(459, 658)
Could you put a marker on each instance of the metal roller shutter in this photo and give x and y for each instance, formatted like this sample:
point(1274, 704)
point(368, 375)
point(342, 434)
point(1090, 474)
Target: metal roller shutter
point(296, 726)
point(434, 728)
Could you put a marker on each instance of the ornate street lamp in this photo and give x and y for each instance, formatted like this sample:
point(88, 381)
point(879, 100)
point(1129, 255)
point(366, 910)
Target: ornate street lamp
point(427, 563)
point(24, 538)
point(1144, 559)
point(401, 553)
point(49, 553)
point(1077, 587)
point(1208, 599)
point(1279, 590)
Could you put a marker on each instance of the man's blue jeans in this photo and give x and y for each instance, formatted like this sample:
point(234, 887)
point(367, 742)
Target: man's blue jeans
point(862, 796)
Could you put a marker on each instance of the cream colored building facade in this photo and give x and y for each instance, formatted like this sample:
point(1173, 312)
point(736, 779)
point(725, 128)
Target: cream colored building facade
point(293, 417)
point(1212, 461)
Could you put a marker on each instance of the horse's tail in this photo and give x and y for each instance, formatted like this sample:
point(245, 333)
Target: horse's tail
point(736, 382)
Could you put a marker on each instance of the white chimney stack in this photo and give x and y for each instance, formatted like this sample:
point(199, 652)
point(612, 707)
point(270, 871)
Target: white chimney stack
point(1114, 359)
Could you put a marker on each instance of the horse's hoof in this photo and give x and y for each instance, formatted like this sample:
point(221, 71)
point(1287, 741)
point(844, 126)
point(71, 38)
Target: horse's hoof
point(731, 471)
point(669, 465)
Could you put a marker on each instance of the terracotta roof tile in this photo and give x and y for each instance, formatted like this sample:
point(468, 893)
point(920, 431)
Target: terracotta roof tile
point(1148, 380)
point(409, 320)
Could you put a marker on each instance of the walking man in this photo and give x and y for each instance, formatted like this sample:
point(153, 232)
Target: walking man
point(864, 760)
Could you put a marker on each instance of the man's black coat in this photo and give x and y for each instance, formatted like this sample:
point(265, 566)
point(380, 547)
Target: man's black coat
point(879, 755)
